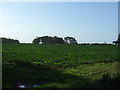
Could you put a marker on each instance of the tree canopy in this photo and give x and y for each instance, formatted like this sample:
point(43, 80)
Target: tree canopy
point(54, 40)
point(9, 41)
point(117, 42)
point(70, 40)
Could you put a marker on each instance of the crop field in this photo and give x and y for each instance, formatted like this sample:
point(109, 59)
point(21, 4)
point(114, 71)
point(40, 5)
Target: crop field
point(57, 66)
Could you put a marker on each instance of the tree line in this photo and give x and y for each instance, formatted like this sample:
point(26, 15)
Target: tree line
point(54, 40)
point(9, 41)
point(117, 42)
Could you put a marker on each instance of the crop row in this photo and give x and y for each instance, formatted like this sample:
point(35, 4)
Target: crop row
point(66, 55)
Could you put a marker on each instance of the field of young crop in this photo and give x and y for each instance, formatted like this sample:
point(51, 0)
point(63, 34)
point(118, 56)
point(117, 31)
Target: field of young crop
point(65, 55)
point(56, 65)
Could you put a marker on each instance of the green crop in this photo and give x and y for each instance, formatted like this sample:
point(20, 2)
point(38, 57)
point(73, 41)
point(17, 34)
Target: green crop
point(57, 66)
point(65, 55)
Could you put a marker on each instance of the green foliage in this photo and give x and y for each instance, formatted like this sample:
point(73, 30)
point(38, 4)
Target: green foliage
point(70, 40)
point(9, 41)
point(65, 55)
point(48, 40)
point(58, 66)
point(117, 42)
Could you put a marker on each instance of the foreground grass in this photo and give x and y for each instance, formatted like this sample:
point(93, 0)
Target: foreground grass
point(83, 76)
point(59, 66)
point(88, 76)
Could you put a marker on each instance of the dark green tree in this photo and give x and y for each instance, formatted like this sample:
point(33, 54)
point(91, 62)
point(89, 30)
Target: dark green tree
point(117, 42)
point(58, 40)
point(70, 40)
point(48, 40)
point(36, 40)
point(118, 39)
point(9, 41)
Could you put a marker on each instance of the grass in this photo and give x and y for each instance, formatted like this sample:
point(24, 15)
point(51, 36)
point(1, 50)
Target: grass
point(86, 76)
point(65, 55)
point(58, 66)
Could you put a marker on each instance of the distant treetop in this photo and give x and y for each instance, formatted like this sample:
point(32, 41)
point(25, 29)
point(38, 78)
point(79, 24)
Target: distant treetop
point(9, 41)
point(117, 42)
point(54, 40)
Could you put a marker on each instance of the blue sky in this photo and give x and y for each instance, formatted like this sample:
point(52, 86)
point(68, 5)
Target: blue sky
point(86, 21)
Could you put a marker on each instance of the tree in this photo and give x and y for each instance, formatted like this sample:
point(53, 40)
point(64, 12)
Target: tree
point(118, 39)
point(48, 40)
point(58, 40)
point(36, 40)
point(9, 41)
point(117, 42)
point(70, 40)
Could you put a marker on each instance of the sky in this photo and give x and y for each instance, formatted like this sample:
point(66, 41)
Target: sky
point(85, 21)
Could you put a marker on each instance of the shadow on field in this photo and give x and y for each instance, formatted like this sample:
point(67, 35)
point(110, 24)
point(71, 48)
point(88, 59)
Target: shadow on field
point(44, 77)
point(15, 75)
